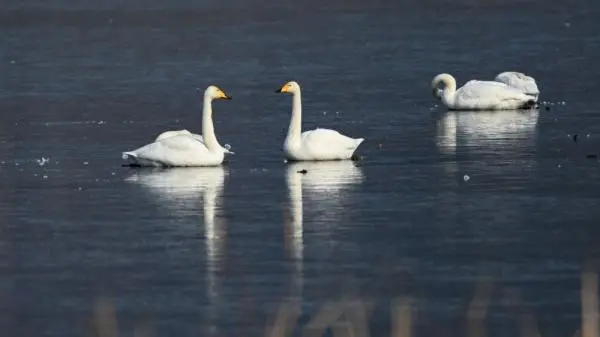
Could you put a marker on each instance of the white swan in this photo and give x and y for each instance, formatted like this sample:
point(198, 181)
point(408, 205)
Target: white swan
point(183, 149)
point(479, 95)
point(519, 81)
point(168, 134)
point(318, 144)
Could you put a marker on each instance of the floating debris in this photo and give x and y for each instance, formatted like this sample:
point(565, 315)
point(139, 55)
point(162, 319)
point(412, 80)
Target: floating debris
point(466, 178)
point(42, 161)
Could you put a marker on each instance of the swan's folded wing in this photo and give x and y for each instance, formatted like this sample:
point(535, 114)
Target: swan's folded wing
point(327, 141)
point(490, 91)
point(519, 81)
point(530, 87)
point(175, 150)
point(172, 133)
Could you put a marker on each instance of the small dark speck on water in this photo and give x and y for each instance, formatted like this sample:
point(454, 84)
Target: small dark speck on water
point(575, 136)
point(592, 156)
point(547, 108)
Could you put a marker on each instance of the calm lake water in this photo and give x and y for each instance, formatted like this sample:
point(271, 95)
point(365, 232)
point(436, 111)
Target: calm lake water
point(438, 202)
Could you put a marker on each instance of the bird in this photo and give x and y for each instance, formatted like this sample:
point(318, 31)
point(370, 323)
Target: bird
point(183, 149)
point(479, 95)
point(313, 145)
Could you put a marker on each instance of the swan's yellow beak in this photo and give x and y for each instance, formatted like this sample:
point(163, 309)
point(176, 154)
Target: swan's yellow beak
point(222, 95)
point(283, 89)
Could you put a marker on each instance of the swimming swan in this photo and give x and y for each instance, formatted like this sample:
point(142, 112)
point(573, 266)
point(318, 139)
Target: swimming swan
point(167, 134)
point(318, 144)
point(479, 95)
point(520, 81)
point(183, 149)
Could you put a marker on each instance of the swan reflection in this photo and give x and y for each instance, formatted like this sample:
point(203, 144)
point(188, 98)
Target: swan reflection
point(494, 129)
point(324, 181)
point(181, 190)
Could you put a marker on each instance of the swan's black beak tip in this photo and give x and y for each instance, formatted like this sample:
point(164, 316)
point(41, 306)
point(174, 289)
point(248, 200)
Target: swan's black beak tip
point(278, 91)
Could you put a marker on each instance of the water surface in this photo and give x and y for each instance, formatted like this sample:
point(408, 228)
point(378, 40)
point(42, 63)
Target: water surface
point(440, 199)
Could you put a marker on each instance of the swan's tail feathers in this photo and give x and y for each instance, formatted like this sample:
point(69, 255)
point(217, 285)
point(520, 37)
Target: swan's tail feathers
point(353, 155)
point(131, 158)
point(530, 104)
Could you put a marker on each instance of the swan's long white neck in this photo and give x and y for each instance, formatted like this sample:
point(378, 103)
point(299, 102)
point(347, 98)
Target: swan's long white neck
point(449, 88)
point(295, 127)
point(208, 130)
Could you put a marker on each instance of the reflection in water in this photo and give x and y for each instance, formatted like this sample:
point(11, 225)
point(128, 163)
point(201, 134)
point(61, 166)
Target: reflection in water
point(324, 181)
point(504, 135)
point(180, 190)
point(486, 128)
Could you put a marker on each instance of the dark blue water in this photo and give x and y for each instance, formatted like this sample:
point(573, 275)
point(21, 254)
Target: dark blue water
point(439, 201)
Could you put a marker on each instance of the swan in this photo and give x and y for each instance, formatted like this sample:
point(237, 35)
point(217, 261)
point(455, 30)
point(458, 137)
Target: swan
point(184, 149)
point(520, 81)
point(317, 144)
point(479, 95)
point(167, 134)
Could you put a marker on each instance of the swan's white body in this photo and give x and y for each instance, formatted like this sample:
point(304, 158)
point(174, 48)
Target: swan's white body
point(314, 145)
point(184, 149)
point(168, 134)
point(519, 81)
point(480, 95)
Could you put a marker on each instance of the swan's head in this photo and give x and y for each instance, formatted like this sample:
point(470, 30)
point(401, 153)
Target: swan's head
point(214, 92)
point(447, 80)
point(290, 87)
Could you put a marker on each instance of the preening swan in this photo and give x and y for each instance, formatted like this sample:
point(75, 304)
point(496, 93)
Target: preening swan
point(318, 144)
point(184, 149)
point(480, 95)
point(520, 81)
point(167, 134)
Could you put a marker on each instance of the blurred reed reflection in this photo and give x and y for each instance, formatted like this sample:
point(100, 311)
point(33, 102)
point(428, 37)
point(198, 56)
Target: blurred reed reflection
point(180, 190)
point(350, 317)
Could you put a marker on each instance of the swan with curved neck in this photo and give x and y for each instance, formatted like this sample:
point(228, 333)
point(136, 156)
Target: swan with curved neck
point(317, 144)
point(479, 95)
point(184, 149)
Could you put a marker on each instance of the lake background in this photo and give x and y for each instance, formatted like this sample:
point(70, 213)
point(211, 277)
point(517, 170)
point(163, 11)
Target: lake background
point(439, 202)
